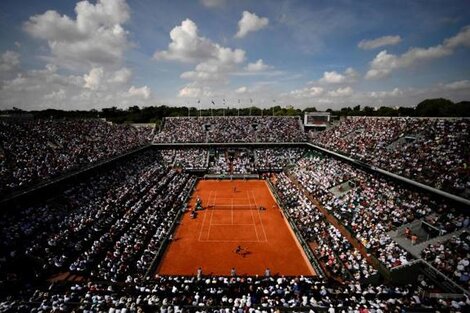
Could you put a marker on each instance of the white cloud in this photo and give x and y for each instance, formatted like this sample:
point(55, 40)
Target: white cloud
point(195, 92)
point(47, 88)
point(56, 95)
point(258, 66)
point(334, 77)
point(322, 97)
point(213, 3)
point(350, 73)
point(346, 96)
point(341, 92)
point(9, 64)
point(250, 22)
point(34, 89)
point(95, 38)
point(461, 39)
point(98, 78)
point(9, 60)
point(316, 91)
point(379, 42)
point(215, 62)
point(121, 76)
point(382, 94)
point(215, 70)
point(188, 46)
point(307, 92)
point(189, 92)
point(384, 63)
point(208, 71)
point(461, 84)
point(143, 92)
point(241, 90)
point(93, 79)
point(91, 46)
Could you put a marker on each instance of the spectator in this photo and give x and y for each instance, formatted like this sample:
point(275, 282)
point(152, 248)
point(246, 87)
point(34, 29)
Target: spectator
point(35, 150)
point(416, 148)
point(231, 129)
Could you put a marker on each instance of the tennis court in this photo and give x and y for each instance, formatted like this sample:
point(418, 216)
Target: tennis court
point(236, 213)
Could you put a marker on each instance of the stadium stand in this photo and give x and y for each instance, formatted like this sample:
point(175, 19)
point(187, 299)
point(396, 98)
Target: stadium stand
point(276, 158)
point(35, 150)
point(451, 258)
point(336, 254)
point(223, 294)
point(95, 245)
point(233, 160)
point(417, 148)
point(231, 129)
point(371, 206)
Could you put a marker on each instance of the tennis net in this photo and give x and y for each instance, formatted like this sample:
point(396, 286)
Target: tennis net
point(233, 207)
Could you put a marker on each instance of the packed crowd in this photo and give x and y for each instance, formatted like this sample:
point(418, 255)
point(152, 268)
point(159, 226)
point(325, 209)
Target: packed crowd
point(280, 129)
point(232, 161)
point(452, 258)
point(370, 206)
point(34, 150)
point(231, 129)
point(168, 156)
point(338, 257)
point(186, 158)
point(413, 147)
point(108, 227)
point(276, 158)
point(236, 294)
point(193, 158)
point(218, 163)
point(134, 250)
point(242, 162)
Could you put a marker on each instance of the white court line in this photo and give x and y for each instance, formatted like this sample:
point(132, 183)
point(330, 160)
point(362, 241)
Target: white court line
point(212, 203)
point(253, 218)
point(222, 241)
point(259, 215)
point(229, 205)
point(204, 219)
point(226, 198)
point(249, 224)
point(210, 221)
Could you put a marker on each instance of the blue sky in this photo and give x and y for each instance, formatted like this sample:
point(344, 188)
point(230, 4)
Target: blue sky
point(328, 54)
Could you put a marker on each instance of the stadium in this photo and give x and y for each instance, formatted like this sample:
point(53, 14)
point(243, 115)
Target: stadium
point(234, 156)
point(235, 212)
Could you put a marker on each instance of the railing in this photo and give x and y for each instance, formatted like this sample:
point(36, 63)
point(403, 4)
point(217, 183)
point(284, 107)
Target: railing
point(431, 228)
point(14, 197)
point(308, 251)
point(391, 175)
point(345, 230)
point(161, 249)
point(229, 144)
point(442, 279)
point(231, 176)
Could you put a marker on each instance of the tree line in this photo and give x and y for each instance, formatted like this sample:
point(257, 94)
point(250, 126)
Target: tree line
point(154, 114)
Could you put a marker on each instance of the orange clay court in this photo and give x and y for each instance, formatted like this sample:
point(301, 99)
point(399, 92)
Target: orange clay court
point(231, 217)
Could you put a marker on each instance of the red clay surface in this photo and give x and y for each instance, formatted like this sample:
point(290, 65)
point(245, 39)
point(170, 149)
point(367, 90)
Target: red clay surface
point(232, 218)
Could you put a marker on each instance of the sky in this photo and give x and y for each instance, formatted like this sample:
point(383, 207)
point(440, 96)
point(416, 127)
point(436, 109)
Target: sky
point(325, 54)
